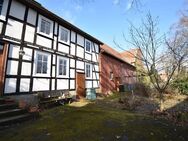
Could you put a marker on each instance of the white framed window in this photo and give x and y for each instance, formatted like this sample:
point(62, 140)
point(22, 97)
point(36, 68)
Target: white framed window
point(88, 70)
point(64, 35)
point(45, 26)
point(88, 46)
point(1, 5)
point(42, 64)
point(63, 67)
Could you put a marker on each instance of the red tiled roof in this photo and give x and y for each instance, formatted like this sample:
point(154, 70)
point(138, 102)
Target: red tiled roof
point(130, 55)
point(105, 48)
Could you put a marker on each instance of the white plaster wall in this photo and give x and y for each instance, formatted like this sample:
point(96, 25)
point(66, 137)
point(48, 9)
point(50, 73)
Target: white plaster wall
point(95, 75)
point(26, 68)
point(72, 73)
point(28, 54)
point(4, 10)
point(53, 84)
point(55, 43)
point(40, 84)
point(10, 85)
point(62, 84)
point(24, 85)
point(1, 27)
point(95, 84)
point(80, 40)
point(44, 42)
point(72, 49)
point(88, 84)
point(54, 59)
point(14, 51)
point(96, 67)
point(88, 56)
point(95, 57)
point(73, 36)
point(72, 84)
point(80, 52)
point(72, 63)
point(53, 71)
point(32, 16)
point(79, 64)
point(12, 67)
point(29, 34)
point(14, 29)
point(63, 48)
point(17, 10)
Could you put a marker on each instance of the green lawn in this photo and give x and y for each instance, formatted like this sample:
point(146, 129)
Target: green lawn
point(94, 122)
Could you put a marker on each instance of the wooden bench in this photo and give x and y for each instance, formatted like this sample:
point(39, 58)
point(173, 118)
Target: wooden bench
point(55, 97)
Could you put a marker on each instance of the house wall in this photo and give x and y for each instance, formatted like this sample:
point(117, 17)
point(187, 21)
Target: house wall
point(119, 69)
point(20, 30)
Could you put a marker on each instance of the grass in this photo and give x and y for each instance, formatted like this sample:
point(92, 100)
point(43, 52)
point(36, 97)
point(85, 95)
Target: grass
point(94, 122)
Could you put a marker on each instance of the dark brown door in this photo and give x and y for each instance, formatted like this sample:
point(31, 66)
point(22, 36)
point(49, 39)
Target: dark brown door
point(80, 84)
point(3, 57)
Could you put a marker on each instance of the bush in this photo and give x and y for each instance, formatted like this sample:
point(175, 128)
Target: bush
point(181, 85)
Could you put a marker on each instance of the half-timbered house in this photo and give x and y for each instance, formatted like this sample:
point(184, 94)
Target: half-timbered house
point(40, 51)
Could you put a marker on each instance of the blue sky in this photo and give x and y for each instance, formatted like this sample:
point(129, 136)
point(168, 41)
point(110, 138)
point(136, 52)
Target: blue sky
point(107, 19)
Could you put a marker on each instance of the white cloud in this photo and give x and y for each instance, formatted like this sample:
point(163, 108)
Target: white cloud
point(116, 2)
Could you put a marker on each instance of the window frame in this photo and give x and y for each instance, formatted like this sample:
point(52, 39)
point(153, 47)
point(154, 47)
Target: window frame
point(86, 46)
point(68, 38)
point(111, 75)
point(67, 67)
point(35, 73)
point(89, 70)
point(40, 18)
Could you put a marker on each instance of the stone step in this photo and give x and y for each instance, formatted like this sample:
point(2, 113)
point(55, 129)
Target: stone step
point(15, 119)
point(6, 100)
point(4, 107)
point(11, 112)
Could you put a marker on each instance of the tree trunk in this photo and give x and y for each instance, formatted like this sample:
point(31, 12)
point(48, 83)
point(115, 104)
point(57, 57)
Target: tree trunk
point(161, 104)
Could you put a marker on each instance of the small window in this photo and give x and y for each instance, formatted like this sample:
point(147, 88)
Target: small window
point(88, 70)
point(45, 26)
point(62, 66)
point(42, 62)
point(1, 5)
point(111, 75)
point(88, 46)
point(64, 35)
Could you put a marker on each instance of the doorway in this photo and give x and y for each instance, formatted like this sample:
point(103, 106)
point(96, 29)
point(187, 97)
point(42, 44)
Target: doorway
point(80, 84)
point(3, 57)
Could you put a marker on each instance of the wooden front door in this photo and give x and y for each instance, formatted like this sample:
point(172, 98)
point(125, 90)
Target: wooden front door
point(80, 84)
point(3, 57)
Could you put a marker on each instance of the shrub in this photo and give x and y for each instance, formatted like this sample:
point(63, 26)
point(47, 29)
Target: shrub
point(181, 85)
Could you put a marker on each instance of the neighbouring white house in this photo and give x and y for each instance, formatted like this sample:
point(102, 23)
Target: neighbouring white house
point(40, 51)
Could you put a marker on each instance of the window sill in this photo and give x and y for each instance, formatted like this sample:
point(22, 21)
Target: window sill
point(44, 34)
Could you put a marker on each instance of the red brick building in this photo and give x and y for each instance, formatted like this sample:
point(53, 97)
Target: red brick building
point(114, 70)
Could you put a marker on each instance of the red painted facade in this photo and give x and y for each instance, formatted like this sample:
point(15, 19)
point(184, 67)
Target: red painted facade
point(114, 70)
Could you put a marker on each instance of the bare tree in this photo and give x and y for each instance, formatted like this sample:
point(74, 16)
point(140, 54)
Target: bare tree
point(148, 39)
